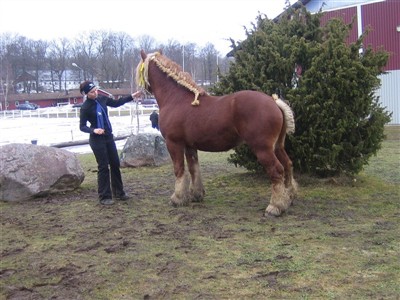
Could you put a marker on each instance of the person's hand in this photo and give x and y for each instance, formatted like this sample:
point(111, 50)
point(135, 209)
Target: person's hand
point(137, 94)
point(99, 131)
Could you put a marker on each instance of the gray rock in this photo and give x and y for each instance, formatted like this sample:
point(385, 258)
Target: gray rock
point(148, 149)
point(28, 171)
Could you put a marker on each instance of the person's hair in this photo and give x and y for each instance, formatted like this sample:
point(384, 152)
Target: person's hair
point(83, 85)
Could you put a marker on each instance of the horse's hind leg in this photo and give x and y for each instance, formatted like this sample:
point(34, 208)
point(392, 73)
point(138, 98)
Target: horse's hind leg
point(290, 182)
point(196, 185)
point(280, 200)
point(181, 193)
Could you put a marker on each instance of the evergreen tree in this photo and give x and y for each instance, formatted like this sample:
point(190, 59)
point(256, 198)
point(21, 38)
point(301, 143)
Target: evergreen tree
point(328, 82)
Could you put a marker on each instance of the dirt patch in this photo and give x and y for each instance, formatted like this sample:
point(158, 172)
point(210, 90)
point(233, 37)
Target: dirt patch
point(335, 240)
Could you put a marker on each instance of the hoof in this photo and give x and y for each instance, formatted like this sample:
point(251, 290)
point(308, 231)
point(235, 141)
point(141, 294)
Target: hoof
point(197, 200)
point(180, 204)
point(197, 197)
point(293, 197)
point(273, 211)
point(175, 201)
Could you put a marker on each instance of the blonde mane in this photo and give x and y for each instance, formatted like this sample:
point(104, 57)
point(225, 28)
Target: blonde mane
point(172, 69)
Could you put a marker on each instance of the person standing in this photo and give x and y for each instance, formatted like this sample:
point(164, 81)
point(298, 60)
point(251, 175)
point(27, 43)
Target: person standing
point(154, 120)
point(101, 141)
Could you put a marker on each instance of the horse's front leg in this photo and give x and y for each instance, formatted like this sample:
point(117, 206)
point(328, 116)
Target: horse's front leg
point(196, 184)
point(181, 194)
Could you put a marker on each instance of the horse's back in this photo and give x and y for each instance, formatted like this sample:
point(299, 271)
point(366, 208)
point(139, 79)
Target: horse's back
point(243, 109)
point(260, 106)
point(253, 99)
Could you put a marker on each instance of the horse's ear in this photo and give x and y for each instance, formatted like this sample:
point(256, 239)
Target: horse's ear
point(143, 54)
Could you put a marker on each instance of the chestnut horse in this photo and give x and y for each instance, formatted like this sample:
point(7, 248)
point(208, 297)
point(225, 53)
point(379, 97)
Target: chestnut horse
point(192, 120)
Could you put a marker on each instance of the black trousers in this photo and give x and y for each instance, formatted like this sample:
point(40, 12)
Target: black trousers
point(106, 153)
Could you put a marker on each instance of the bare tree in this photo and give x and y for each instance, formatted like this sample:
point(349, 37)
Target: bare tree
point(174, 50)
point(59, 58)
point(147, 43)
point(190, 54)
point(109, 57)
point(123, 47)
point(114, 50)
point(85, 51)
point(39, 59)
point(106, 61)
point(7, 74)
point(20, 58)
point(209, 57)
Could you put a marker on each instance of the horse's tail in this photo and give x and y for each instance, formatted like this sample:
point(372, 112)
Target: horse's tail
point(287, 113)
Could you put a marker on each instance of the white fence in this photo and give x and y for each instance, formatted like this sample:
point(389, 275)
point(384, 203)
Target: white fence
point(50, 126)
point(67, 111)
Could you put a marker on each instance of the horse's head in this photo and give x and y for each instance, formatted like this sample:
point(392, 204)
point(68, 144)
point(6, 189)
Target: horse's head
point(142, 73)
point(168, 67)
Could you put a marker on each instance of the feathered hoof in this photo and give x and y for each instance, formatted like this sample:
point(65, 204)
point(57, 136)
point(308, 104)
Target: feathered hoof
point(173, 204)
point(273, 211)
point(176, 202)
point(197, 197)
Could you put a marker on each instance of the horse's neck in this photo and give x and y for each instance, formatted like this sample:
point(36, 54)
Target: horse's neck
point(163, 87)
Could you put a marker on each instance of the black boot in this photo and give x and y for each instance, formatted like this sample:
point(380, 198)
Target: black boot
point(107, 201)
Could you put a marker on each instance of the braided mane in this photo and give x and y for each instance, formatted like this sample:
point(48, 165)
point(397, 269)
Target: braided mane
point(172, 69)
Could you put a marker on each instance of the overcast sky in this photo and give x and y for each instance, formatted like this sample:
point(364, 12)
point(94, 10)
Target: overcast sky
point(198, 21)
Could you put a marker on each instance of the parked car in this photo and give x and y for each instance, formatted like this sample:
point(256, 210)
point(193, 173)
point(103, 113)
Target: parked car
point(27, 106)
point(151, 102)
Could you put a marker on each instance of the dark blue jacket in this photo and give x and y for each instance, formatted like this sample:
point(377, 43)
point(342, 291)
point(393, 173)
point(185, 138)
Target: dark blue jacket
point(88, 111)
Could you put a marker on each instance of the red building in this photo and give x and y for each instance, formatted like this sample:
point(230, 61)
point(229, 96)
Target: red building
point(383, 19)
point(53, 99)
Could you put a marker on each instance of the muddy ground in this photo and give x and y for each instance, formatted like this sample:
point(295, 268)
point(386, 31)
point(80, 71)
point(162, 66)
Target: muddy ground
point(338, 240)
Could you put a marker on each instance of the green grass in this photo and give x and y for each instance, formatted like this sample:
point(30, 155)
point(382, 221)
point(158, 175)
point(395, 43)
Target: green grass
point(340, 239)
point(386, 165)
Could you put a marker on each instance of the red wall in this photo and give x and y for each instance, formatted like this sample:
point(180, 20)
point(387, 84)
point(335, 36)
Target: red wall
point(383, 18)
point(346, 15)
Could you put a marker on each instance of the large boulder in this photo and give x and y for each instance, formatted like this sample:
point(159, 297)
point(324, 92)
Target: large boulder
point(147, 149)
point(28, 171)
